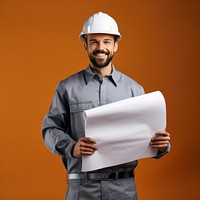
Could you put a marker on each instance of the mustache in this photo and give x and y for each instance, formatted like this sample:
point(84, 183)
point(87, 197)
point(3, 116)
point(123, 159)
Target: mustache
point(100, 51)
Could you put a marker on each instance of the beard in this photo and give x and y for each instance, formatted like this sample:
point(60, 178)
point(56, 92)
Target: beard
point(99, 62)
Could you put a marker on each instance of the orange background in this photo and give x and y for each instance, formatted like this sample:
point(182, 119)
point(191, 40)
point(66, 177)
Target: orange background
point(39, 46)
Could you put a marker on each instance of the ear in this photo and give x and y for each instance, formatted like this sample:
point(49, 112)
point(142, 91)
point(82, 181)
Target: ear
point(85, 46)
point(115, 46)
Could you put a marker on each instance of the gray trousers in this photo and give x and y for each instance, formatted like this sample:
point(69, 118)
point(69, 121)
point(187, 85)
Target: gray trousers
point(120, 189)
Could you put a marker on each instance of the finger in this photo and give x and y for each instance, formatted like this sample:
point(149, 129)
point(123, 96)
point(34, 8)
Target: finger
point(162, 133)
point(159, 146)
point(86, 145)
point(86, 151)
point(160, 138)
point(88, 140)
point(159, 142)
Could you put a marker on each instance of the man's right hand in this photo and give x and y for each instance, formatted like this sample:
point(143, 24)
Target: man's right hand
point(84, 147)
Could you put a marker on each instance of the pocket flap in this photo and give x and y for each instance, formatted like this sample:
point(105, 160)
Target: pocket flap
point(78, 107)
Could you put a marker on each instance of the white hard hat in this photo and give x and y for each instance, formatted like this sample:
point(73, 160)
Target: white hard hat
point(100, 23)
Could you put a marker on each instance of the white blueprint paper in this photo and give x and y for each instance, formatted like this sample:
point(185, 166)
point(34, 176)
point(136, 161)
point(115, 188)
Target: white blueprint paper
point(124, 129)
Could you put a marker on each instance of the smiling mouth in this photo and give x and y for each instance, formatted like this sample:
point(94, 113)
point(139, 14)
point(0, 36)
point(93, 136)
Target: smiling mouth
point(100, 53)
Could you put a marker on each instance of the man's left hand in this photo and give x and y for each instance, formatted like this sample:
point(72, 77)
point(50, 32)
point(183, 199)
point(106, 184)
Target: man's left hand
point(160, 141)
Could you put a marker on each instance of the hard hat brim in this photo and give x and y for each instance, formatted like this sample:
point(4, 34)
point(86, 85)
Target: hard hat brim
point(82, 36)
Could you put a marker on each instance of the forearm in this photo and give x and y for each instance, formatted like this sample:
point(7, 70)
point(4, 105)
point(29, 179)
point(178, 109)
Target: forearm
point(58, 142)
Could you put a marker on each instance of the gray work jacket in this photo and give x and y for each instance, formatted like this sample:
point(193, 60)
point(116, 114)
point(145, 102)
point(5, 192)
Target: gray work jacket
point(64, 125)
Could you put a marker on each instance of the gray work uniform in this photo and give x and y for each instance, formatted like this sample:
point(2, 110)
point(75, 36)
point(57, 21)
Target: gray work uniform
point(64, 125)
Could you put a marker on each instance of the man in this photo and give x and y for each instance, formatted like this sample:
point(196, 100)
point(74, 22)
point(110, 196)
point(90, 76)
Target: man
point(63, 127)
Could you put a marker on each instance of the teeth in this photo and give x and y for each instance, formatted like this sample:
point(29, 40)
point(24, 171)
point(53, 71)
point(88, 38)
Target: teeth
point(101, 54)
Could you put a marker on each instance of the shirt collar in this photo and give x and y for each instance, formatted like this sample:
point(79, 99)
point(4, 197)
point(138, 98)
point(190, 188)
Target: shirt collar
point(114, 77)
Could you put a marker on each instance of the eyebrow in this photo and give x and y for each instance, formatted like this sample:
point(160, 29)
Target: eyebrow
point(108, 39)
point(92, 40)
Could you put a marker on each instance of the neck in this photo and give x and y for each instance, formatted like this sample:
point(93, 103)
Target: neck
point(102, 71)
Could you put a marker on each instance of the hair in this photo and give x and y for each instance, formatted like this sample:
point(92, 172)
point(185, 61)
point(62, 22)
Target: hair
point(116, 38)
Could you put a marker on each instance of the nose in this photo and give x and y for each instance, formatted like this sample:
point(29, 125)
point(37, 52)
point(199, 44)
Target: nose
point(100, 46)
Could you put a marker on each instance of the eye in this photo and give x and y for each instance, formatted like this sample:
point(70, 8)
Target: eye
point(107, 42)
point(93, 42)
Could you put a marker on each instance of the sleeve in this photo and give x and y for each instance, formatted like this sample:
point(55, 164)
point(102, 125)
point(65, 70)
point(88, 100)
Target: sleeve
point(160, 154)
point(137, 89)
point(56, 125)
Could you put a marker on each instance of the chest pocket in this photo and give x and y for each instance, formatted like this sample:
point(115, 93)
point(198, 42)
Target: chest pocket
point(77, 121)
